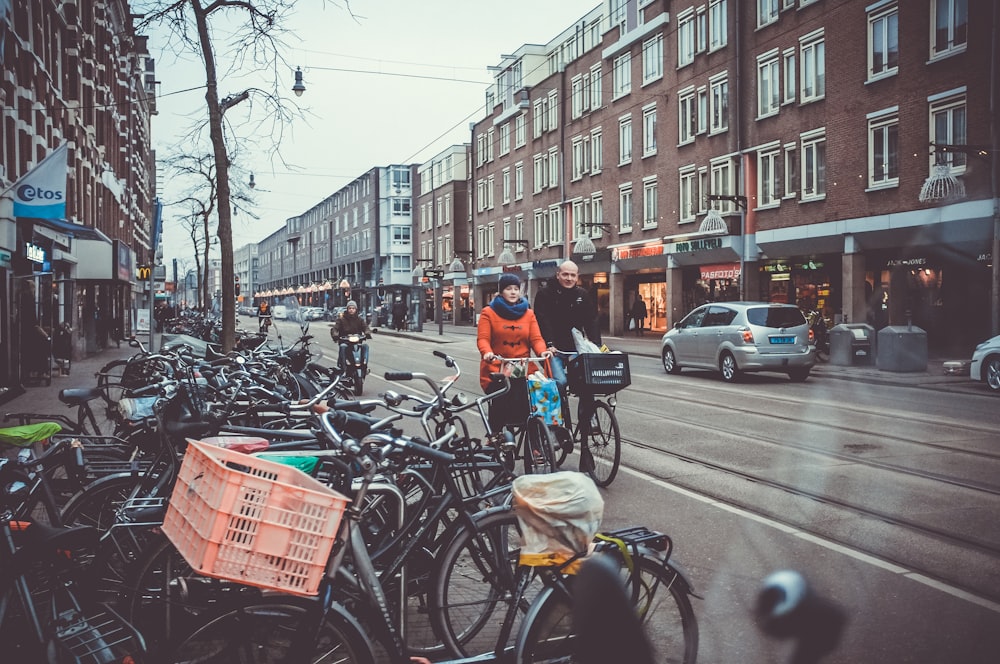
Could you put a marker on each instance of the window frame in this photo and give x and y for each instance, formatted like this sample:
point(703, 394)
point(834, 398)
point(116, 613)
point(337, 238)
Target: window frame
point(880, 135)
point(650, 203)
point(767, 12)
point(769, 185)
point(947, 104)
point(624, 140)
point(621, 77)
point(880, 22)
point(649, 130)
point(812, 66)
point(952, 47)
point(718, 30)
point(686, 37)
point(652, 59)
point(813, 165)
point(718, 121)
point(687, 115)
point(626, 207)
point(768, 83)
point(687, 194)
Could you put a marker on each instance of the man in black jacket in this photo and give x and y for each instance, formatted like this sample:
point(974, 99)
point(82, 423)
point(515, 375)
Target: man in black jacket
point(560, 307)
point(349, 322)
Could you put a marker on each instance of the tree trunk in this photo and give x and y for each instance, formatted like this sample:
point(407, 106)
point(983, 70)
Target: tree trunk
point(225, 208)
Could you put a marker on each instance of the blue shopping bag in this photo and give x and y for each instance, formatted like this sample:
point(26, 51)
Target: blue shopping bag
point(543, 397)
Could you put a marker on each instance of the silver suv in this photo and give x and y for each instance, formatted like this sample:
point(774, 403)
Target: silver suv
point(737, 337)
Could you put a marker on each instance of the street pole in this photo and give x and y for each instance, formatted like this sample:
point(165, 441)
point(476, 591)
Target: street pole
point(152, 307)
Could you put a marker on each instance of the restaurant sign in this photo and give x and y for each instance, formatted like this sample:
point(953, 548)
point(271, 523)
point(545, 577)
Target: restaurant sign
point(625, 253)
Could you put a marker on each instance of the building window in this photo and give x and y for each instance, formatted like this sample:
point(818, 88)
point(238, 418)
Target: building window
point(519, 132)
point(596, 151)
point(578, 158)
point(577, 96)
point(719, 103)
point(767, 12)
point(489, 144)
point(505, 179)
point(621, 78)
point(686, 116)
point(883, 42)
point(538, 117)
point(553, 110)
point(768, 78)
point(687, 194)
point(685, 38)
point(702, 109)
point(788, 60)
point(518, 181)
point(595, 87)
point(813, 165)
point(649, 213)
point(791, 171)
point(722, 183)
point(652, 59)
point(649, 131)
point(489, 197)
point(701, 30)
point(596, 211)
point(949, 26)
point(813, 77)
point(625, 208)
point(541, 228)
point(539, 172)
point(553, 158)
point(948, 126)
point(555, 232)
point(768, 177)
point(883, 149)
point(717, 28)
point(625, 139)
point(505, 138)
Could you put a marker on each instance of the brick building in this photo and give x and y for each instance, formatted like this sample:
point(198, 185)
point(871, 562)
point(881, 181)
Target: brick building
point(810, 124)
point(74, 74)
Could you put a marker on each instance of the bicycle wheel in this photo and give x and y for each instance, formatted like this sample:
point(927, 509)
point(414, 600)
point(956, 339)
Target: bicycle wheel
point(475, 585)
point(662, 604)
point(562, 440)
point(604, 446)
point(539, 457)
point(264, 632)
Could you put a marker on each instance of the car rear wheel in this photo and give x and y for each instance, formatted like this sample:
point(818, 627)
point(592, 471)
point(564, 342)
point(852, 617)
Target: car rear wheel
point(991, 372)
point(730, 370)
point(670, 361)
point(798, 375)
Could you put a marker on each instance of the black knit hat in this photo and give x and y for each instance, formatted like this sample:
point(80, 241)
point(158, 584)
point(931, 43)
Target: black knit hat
point(508, 279)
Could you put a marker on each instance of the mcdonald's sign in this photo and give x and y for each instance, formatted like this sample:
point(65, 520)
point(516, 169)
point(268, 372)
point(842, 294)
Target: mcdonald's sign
point(144, 272)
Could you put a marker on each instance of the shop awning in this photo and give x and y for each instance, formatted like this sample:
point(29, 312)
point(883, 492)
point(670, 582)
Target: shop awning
point(77, 231)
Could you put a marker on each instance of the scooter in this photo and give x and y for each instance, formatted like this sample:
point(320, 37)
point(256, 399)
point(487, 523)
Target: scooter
point(355, 361)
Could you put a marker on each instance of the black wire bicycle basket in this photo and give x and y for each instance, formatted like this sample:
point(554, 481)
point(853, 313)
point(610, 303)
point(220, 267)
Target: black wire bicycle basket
point(598, 373)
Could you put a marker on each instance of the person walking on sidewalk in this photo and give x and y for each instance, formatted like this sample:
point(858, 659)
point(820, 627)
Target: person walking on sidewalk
point(639, 313)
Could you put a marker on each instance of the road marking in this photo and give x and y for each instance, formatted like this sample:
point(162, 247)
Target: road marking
point(892, 568)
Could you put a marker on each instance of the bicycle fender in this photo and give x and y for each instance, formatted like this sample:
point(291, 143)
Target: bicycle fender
point(682, 576)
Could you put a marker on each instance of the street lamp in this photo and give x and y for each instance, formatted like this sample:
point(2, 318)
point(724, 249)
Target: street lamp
point(712, 223)
point(506, 256)
point(584, 244)
point(457, 265)
point(299, 86)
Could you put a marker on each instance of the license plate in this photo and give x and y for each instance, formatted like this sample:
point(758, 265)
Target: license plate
point(782, 340)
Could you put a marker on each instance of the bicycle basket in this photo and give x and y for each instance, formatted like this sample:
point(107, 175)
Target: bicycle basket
point(559, 514)
point(598, 373)
point(252, 521)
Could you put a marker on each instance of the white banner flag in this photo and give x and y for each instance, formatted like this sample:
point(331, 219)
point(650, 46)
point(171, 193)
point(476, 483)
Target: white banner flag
point(41, 192)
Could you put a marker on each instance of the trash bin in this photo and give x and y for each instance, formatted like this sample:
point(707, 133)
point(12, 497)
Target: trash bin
point(852, 343)
point(902, 348)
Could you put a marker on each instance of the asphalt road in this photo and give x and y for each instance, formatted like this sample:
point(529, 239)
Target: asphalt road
point(884, 495)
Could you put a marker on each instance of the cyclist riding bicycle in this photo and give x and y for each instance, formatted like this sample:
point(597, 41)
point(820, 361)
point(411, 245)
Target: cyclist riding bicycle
point(263, 316)
point(560, 307)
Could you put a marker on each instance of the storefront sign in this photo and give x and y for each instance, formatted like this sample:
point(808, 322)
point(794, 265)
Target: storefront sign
point(724, 271)
point(538, 265)
point(696, 245)
point(906, 262)
point(777, 267)
point(624, 253)
point(5, 259)
point(34, 253)
point(123, 261)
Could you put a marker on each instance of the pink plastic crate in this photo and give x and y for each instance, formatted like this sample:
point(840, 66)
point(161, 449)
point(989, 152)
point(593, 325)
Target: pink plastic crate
point(253, 521)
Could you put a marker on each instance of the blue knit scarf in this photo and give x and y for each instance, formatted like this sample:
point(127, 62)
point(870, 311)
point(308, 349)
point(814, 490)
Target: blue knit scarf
point(509, 311)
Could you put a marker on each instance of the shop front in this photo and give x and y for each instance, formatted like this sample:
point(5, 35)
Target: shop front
point(703, 269)
point(813, 283)
point(643, 270)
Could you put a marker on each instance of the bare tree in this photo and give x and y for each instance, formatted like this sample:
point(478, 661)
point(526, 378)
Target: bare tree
point(257, 43)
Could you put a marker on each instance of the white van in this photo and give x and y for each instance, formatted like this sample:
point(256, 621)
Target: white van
point(279, 311)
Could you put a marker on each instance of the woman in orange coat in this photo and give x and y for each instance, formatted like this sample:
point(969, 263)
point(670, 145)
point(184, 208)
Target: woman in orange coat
point(507, 328)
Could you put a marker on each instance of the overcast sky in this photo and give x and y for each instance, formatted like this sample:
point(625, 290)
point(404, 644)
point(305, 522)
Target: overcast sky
point(360, 120)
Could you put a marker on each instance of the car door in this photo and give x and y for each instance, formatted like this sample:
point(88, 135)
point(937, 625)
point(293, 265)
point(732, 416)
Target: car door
point(685, 337)
point(714, 330)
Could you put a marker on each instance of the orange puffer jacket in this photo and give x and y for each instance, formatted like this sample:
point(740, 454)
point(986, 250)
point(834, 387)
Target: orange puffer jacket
point(506, 338)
